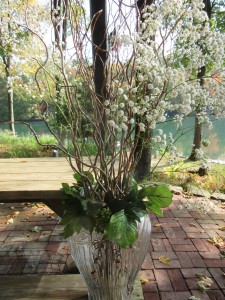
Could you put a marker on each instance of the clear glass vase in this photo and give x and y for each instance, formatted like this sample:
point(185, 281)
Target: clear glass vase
point(109, 270)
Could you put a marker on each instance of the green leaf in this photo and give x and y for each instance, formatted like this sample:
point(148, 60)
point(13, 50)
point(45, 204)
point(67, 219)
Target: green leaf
point(159, 196)
point(74, 221)
point(89, 176)
point(154, 208)
point(66, 187)
point(69, 190)
point(115, 205)
point(133, 194)
point(136, 211)
point(121, 230)
point(93, 208)
point(80, 179)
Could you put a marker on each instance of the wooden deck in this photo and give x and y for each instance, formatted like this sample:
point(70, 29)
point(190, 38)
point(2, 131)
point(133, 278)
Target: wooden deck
point(34, 180)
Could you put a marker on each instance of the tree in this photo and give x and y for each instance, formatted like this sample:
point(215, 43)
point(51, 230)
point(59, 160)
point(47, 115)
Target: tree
point(201, 74)
point(14, 35)
point(143, 150)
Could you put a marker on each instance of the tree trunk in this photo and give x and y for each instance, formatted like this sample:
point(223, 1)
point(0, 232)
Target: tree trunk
point(201, 74)
point(143, 151)
point(98, 14)
point(99, 48)
point(197, 140)
point(11, 110)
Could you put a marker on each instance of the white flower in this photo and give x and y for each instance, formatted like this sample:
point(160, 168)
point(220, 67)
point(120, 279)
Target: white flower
point(160, 131)
point(120, 91)
point(131, 103)
point(134, 90)
point(124, 127)
point(106, 102)
point(142, 126)
point(114, 107)
point(134, 110)
point(140, 77)
point(111, 123)
point(162, 119)
point(120, 113)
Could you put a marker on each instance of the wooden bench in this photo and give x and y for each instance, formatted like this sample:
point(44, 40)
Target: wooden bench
point(34, 180)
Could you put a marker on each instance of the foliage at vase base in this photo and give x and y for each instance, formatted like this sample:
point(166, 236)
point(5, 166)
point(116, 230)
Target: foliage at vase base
point(115, 217)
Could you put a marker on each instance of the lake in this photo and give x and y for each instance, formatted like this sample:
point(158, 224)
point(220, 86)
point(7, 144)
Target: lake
point(215, 150)
point(216, 136)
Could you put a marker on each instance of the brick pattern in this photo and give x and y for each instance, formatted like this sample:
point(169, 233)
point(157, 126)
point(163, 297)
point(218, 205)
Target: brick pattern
point(180, 235)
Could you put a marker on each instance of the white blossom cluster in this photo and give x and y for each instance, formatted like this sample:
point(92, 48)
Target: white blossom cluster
point(167, 80)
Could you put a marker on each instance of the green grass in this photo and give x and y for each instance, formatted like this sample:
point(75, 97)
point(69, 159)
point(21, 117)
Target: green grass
point(24, 146)
point(181, 174)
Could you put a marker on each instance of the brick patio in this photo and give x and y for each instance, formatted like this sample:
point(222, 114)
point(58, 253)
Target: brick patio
point(30, 243)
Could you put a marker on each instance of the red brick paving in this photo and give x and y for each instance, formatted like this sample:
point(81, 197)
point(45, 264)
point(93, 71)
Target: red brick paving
point(182, 236)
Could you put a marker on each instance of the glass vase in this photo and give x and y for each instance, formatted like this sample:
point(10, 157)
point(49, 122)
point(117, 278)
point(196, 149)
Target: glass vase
point(109, 270)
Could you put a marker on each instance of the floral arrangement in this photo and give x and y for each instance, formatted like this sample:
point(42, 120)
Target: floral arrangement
point(149, 76)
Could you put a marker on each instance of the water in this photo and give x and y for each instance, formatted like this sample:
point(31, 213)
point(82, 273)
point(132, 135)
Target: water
point(215, 150)
point(21, 129)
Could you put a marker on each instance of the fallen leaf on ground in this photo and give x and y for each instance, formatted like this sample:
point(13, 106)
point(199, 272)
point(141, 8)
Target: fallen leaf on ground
point(204, 283)
point(222, 228)
point(193, 298)
point(165, 260)
point(36, 229)
point(10, 221)
point(143, 280)
point(217, 241)
point(188, 237)
point(222, 254)
point(193, 225)
point(157, 225)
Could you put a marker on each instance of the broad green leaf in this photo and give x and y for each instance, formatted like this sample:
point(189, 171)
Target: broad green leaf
point(71, 227)
point(121, 230)
point(115, 205)
point(75, 224)
point(154, 208)
point(135, 212)
point(68, 190)
point(66, 187)
point(159, 196)
point(79, 178)
point(93, 208)
point(133, 194)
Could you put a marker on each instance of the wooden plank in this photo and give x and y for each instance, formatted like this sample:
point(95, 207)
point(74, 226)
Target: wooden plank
point(34, 179)
point(57, 287)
